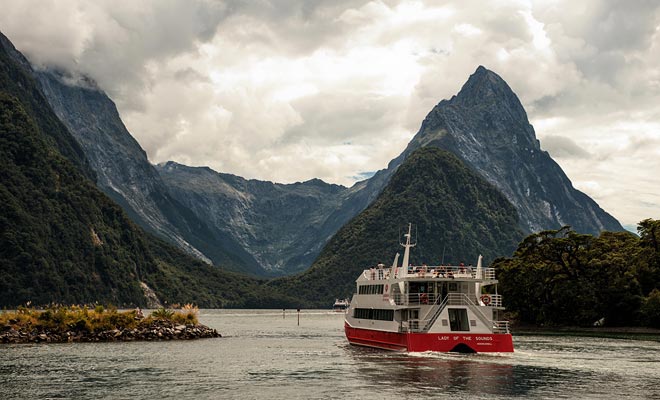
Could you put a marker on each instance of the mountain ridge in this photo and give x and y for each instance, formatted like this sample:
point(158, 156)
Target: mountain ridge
point(126, 175)
point(484, 124)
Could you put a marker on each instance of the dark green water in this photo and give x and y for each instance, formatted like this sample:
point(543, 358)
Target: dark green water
point(263, 356)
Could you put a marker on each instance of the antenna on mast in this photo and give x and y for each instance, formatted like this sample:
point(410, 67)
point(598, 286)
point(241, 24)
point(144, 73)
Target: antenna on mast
point(406, 252)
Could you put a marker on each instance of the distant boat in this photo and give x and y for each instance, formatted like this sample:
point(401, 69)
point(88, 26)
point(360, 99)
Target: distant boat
point(427, 308)
point(341, 305)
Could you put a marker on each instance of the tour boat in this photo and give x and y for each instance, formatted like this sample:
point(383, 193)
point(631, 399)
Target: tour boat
point(427, 308)
point(340, 305)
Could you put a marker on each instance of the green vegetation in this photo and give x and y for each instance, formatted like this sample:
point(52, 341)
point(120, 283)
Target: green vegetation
point(562, 278)
point(83, 319)
point(18, 83)
point(458, 214)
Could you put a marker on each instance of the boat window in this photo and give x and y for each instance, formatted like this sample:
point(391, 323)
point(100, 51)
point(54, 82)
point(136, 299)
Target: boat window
point(458, 319)
point(377, 314)
point(370, 289)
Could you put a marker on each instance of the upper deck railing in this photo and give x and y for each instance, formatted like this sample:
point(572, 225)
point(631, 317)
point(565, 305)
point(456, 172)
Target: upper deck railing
point(452, 299)
point(426, 272)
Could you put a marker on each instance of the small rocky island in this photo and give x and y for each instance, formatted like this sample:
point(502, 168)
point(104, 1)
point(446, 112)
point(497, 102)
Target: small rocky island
point(61, 324)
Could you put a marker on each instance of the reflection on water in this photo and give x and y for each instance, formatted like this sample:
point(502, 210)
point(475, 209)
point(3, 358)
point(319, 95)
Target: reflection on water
point(459, 375)
point(263, 355)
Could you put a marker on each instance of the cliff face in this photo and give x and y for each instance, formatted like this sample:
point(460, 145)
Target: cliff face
point(281, 225)
point(125, 174)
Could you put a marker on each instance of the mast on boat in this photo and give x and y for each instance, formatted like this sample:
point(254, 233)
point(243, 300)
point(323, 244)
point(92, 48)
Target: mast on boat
point(406, 252)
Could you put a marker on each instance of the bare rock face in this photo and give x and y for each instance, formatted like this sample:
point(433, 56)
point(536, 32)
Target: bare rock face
point(282, 225)
point(125, 174)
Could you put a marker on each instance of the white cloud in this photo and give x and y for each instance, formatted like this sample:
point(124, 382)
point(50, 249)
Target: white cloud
point(289, 91)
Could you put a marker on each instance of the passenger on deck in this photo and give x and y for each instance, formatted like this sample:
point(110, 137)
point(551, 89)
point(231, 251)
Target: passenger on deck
point(380, 270)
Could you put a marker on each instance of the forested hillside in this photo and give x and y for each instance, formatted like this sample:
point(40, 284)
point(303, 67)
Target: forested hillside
point(559, 277)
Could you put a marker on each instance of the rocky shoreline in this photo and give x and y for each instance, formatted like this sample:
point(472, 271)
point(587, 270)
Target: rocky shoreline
point(156, 330)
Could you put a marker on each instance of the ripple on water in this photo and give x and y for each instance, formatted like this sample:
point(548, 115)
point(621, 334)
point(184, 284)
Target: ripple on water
point(263, 355)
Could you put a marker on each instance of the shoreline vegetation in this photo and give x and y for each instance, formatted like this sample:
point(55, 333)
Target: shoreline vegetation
point(65, 324)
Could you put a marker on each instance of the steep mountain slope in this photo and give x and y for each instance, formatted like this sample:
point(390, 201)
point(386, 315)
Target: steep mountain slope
point(281, 225)
point(487, 127)
point(125, 174)
point(16, 72)
point(459, 215)
point(62, 240)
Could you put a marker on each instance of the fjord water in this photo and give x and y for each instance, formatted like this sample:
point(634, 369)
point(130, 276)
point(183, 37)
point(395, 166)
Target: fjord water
point(265, 356)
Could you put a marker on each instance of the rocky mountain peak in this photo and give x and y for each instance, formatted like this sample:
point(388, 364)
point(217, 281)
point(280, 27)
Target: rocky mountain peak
point(487, 127)
point(484, 84)
point(488, 93)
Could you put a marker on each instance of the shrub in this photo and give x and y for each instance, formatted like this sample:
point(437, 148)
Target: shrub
point(163, 313)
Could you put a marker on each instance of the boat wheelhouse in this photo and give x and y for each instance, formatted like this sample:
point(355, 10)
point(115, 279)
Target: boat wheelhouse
point(427, 308)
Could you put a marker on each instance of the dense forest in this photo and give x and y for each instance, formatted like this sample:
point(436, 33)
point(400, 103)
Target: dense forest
point(562, 278)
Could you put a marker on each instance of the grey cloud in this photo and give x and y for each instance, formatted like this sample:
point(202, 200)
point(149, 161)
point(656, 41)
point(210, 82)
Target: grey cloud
point(643, 145)
point(607, 25)
point(289, 27)
point(331, 118)
point(563, 147)
point(507, 24)
point(623, 25)
point(190, 75)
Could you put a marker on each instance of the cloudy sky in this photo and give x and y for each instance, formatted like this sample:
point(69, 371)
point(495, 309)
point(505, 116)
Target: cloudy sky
point(291, 90)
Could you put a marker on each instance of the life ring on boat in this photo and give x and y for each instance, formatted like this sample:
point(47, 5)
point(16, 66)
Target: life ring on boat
point(485, 299)
point(386, 287)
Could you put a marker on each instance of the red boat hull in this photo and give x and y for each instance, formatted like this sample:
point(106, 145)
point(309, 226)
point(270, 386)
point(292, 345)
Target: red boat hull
point(441, 342)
